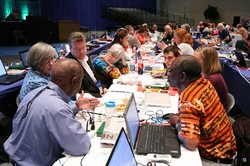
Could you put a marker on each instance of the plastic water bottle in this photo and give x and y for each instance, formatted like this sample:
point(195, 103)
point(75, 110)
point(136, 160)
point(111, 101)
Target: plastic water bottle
point(110, 108)
point(140, 65)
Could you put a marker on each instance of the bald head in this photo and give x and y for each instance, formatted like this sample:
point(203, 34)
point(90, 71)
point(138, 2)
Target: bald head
point(185, 69)
point(67, 74)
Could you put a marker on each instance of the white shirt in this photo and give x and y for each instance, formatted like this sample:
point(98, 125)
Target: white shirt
point(186, 49)
point(87, 68)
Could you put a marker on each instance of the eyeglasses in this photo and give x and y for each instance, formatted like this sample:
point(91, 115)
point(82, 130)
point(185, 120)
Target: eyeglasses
point(79, 49)
point(51, 61)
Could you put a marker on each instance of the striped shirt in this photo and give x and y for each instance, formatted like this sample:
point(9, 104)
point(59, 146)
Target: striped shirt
point(202, 117)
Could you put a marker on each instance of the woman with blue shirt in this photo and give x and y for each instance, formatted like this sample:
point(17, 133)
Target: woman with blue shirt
point(41, 57)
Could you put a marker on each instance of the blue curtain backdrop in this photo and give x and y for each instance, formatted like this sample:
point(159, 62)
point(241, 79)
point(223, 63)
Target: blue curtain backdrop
point(89, 12)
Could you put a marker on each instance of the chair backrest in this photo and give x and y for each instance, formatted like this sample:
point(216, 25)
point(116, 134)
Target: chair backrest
point(230, 103)
point(241, 45)
point(18, 100)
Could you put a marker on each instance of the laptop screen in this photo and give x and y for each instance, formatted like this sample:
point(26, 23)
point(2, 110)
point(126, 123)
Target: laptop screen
point(23, 55)
point(122, 153)
point(2, 69)
point(132, 121)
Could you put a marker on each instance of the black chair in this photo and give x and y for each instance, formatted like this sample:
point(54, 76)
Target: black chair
point(241, 45)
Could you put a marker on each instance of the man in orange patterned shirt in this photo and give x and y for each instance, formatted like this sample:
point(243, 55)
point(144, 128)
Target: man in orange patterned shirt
point(202, 121)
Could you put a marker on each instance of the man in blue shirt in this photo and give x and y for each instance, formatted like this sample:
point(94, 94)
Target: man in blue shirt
point(44, 124)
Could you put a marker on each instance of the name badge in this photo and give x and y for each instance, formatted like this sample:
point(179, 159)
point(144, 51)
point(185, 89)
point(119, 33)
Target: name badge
point(99, 85)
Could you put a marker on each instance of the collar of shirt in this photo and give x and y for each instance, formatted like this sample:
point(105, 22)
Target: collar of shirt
point(87, 68)
point(59, 91)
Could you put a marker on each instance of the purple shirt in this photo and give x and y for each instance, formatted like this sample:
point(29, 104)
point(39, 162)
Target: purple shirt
point(221, 87)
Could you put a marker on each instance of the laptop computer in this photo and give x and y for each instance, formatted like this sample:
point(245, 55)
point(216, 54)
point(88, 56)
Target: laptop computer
point(23, 56)
point(121, 154)
point(8, 79)
point(162, 140)
point(154, 99)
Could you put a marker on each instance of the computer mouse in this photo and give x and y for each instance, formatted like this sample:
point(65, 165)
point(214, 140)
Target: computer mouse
point(166, 116)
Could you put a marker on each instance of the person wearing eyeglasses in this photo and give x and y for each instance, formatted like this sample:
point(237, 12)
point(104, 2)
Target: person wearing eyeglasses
point(41, 58)
point(44, 125)
point(111, 65)
point(91, 83)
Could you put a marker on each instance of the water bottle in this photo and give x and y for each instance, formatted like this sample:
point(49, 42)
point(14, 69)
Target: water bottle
point(110, 108)
point(140, 65)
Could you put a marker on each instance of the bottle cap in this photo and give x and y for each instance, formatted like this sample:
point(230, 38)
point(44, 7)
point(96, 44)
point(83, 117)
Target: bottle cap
point(110, 103)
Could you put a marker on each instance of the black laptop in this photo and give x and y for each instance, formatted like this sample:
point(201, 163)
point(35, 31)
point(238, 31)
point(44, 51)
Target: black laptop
point(150, 138)
point(23, 56)
point(121, 154)
point(8, 79)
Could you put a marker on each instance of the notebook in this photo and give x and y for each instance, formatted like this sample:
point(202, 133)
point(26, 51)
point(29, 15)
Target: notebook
point(23, 56)
point(165, 137)
point(121, 154)
point(8, 79)
point(154, 99)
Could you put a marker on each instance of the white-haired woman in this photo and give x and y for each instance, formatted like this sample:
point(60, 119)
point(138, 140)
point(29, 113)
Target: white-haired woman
point(111, 65)
point(223, 34)
point(41, 57)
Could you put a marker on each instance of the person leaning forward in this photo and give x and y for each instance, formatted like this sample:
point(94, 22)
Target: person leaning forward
point(202, 121)
point(44, 125)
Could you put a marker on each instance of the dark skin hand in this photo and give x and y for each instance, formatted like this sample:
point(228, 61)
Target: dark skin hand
point(191, 144)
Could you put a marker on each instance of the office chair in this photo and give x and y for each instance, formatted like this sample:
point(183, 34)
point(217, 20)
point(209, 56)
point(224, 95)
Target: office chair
point(18, 99)
point(241, 45)
point(230, 105)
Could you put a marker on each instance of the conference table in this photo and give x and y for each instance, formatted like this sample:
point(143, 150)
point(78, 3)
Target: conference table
point(237, 80)
point(126, 84)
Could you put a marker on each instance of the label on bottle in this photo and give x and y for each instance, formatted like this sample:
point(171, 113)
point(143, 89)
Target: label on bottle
point(140, 68)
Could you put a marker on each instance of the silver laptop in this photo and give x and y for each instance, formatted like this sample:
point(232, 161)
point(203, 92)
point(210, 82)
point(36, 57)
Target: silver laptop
point(154, 99)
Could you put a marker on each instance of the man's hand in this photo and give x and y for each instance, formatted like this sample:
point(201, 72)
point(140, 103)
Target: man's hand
point(173, 119)
point(87, 103)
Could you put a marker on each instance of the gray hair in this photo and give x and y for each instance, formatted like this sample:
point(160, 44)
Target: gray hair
point(117, 50)
point(40, 53)
point(186, 26)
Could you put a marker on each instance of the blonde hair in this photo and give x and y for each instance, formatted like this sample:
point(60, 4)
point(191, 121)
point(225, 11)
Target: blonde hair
point(211, 60)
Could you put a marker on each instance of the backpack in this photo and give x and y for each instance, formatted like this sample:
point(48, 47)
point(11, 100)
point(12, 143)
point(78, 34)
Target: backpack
point(241, 129)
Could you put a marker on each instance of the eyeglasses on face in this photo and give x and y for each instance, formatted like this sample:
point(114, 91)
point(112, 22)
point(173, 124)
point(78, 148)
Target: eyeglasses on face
point(79, 49)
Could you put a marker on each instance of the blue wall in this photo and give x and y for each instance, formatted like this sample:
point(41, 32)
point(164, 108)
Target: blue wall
point(89, 12)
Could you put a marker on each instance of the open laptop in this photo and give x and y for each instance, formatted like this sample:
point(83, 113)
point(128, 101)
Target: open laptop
point(143, 139)
point(153, 99)
point(8, 79)
point(121, 154)
point(23, 56)
point(241, 59)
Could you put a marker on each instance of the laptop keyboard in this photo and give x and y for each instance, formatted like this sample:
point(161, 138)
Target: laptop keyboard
point(156, 141)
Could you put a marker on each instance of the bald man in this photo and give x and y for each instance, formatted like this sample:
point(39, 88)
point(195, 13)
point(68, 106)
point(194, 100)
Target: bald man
point(44, 124)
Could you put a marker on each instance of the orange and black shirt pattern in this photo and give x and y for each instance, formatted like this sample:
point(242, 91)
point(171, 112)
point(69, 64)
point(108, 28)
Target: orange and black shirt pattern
point(203, 117)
